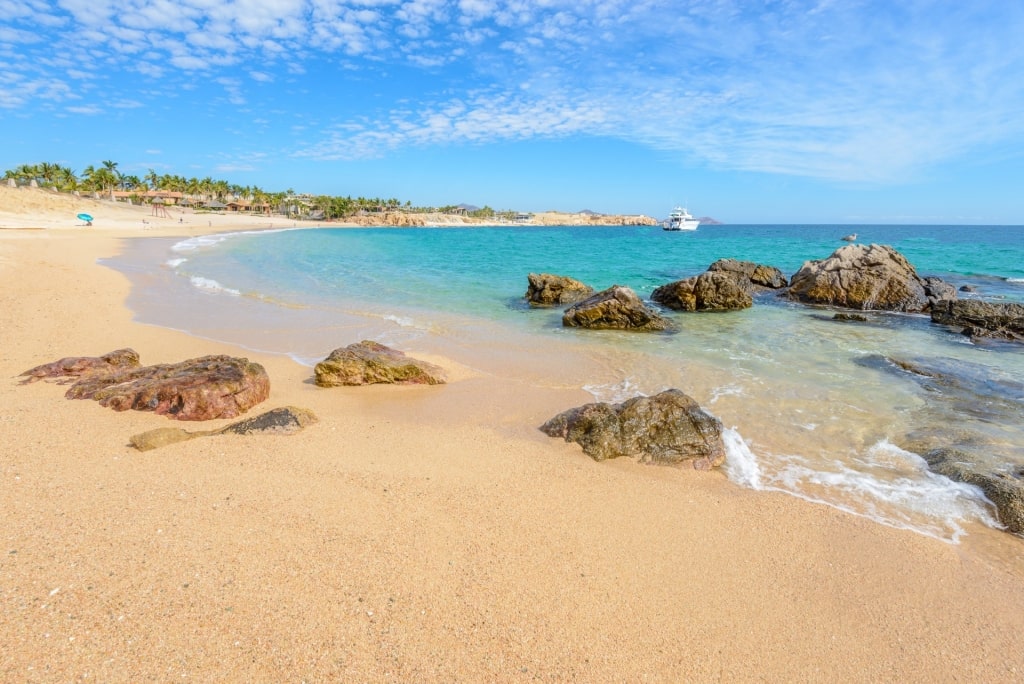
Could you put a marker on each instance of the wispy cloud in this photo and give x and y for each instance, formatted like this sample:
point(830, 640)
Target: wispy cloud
point(863, 92)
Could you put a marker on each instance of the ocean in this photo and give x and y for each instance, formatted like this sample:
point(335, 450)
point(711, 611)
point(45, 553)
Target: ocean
point(812, 407)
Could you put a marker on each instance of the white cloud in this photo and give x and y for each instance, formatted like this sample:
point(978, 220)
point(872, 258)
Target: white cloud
point(865, 91)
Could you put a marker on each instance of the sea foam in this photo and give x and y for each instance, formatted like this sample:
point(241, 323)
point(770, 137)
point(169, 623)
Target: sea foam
point(211, 285)
point(890, 486)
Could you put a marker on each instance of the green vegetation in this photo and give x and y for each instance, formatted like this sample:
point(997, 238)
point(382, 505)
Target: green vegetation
point(107, 179)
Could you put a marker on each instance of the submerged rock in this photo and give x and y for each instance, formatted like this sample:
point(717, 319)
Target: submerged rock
point(279, 421)
point(1004, 489)
point(546, 289)
point(617, 308)
point(963, 431)
point(197, 389)
point(996, 320)
point(669, 428)
point(73, 367)
point(866, 277)
point(368, 362)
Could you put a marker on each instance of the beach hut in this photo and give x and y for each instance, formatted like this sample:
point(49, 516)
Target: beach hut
point(216, 205)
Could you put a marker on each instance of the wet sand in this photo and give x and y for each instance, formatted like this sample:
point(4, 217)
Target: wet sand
point(421, 534)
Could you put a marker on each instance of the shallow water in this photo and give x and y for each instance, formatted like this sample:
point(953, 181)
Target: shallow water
point(806, 414)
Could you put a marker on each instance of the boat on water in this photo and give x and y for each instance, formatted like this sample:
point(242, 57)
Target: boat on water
point(680, 219)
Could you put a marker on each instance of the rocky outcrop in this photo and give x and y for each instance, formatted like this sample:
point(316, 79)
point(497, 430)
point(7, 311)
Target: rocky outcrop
point(866, 277)
point(709, 291)
point(727, 285)
point(759, 275)
point(1004, 489)
point(279, 421)
point(669, 428)
point(73, 367)
point(617, 308)
point(996, 320)
point(546, 289)
point(198, 389)
point(368, 363)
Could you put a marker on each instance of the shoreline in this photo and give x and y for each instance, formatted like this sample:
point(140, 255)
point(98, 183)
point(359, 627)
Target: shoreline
point(414, 535)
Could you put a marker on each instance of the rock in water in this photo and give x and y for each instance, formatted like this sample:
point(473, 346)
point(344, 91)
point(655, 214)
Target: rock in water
point(368, 362)
point(617, 308)
point(727, 285)
point(996, 320)
point(1004, 489)
point(669, 428)
point(759, 275)
point(198, 389)
point(865, 277)
point(546, 289)
point(74, 367)
point(709, 291)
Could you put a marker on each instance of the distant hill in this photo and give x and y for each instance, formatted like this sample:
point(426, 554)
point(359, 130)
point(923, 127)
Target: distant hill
point(708, 221)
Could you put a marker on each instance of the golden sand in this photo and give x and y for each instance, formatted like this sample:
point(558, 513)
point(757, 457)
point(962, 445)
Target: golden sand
point(415, 534)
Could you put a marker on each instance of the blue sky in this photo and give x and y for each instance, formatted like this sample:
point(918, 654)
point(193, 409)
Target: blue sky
point(773, 111)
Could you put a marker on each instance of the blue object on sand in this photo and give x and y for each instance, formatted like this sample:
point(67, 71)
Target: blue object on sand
point(85, 217)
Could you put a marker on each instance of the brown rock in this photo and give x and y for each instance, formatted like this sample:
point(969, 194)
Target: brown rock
point(862, 277)
point(198, 389)
point(727, 285)
point(669, 428)
point(617, 308)
point(759, 275)
point(368, 362)
point(1004, 489)
point(279, 421)
point(997, 320)
point(546, 289)
point(74, 367)
point(709, 291)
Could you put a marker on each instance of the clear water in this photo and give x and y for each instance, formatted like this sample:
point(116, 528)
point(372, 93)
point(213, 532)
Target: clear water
point(804, 416)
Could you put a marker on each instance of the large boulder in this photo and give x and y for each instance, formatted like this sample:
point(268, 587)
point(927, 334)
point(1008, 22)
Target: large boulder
point(997, 320)
point(546, 289)
point(864, 277)
point(727, 285)
point(368, 363)
point(198, 389)
point(617, 308)
point(71, 368)
point(669, 428)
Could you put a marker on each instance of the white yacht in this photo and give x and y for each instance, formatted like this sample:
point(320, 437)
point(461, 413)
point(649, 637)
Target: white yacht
point(680, 219)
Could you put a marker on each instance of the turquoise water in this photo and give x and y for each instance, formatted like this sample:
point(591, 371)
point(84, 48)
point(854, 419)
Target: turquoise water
point(805, 414)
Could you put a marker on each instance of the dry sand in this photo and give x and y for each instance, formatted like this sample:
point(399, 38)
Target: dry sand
point(425, 534)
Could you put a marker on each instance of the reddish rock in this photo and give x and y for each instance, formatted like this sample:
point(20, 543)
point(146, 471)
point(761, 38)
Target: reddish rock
point(198, 389)
point(72, 367)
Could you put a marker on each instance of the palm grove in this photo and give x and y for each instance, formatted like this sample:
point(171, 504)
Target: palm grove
point(106, 178)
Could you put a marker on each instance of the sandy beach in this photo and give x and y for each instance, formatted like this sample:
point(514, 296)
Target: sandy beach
point(419, 534)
